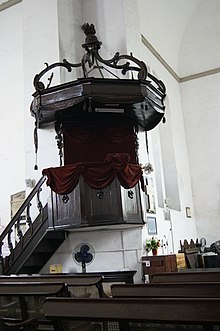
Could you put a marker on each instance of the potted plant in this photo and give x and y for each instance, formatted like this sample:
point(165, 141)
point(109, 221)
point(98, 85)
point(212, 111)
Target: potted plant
point(152, 244)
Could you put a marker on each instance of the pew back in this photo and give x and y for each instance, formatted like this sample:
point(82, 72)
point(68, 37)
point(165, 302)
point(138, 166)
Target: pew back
point(20, 301)
point(132, 314)
point(197, 276)
point(78, 285)
point(189, 290)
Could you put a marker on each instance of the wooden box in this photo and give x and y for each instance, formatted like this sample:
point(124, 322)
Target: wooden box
point(156, 264)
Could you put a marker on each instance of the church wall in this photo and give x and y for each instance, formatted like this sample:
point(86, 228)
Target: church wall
point(71, 36)
point(41, 44)
point(114, 250)
point(12, 162)
point(164, 23)
point(183, 227)
point(200, 49)
point(200, 52)
point(174, 133)
point(202, 120)
point(30, 39)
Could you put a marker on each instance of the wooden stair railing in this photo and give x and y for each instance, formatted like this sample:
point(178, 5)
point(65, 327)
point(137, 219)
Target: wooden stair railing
point(14, 225)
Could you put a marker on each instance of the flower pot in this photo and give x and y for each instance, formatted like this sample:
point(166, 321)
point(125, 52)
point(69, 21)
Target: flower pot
point(154, 251)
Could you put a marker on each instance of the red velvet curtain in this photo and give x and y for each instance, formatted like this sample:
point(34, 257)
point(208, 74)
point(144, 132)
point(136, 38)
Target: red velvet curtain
point(91, 142)
point(97, 175)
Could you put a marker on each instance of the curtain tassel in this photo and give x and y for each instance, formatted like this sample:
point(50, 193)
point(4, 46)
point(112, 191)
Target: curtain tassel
point(35, 145)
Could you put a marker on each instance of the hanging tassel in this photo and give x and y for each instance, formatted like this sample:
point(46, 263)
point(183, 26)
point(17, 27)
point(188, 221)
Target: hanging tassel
point(35, 145)
point(36, 166)
point(147, 168)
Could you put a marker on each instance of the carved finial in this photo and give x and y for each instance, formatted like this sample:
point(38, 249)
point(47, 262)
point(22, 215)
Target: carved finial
point(91, 39)
point(88, 29)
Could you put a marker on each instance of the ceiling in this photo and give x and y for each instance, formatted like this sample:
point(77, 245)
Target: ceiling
point(164, 24)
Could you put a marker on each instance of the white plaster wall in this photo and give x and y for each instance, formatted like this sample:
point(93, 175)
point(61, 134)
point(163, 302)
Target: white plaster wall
point(108, 17)
point(30, 38)
point(180, 227)
point(163, 23)
point(200, 50)
point(40, 45)
point(12, 162)
point(201, 101)
point(71, 36)
point(114, 250)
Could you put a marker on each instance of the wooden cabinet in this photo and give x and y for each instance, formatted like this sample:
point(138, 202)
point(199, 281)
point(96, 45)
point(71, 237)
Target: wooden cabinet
point(87, 207)
point(157, 264)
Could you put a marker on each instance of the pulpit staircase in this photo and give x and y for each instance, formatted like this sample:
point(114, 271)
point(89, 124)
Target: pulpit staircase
point(26, 252)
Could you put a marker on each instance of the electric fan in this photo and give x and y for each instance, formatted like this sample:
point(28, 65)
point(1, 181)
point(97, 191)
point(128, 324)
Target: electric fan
point(83, 255)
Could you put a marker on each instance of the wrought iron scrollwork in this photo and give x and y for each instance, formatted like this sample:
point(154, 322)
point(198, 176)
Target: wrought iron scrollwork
point(160, 84)
point(93, 59)
point(39, 85)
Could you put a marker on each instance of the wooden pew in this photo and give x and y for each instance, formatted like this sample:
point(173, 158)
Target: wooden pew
point(79, 285)
point(183, 290)
point(132, 314)
point(197, 276)
point(126, 276)
point(21, 302)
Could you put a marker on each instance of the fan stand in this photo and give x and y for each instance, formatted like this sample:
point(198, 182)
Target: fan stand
point(83, 267)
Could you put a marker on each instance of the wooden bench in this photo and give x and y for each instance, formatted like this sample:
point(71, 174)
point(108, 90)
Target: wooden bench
point(183, 290)
point(132, 314)
point(126, 276)
point(196, 276)
point(79, 285)
point(21, 302)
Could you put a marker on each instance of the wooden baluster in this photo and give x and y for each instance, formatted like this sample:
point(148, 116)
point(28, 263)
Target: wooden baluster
point(10, 245)
point(1, 259)
point(39, 204)
point(19, 232)
point(29, 220)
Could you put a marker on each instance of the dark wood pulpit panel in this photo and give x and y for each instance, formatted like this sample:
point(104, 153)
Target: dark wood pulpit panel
point(85, 206)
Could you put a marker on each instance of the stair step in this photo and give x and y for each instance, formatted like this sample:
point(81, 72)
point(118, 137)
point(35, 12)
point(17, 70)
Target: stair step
point(38, 259)
point(48, 245)
point(55, 235)
point(29, 270)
